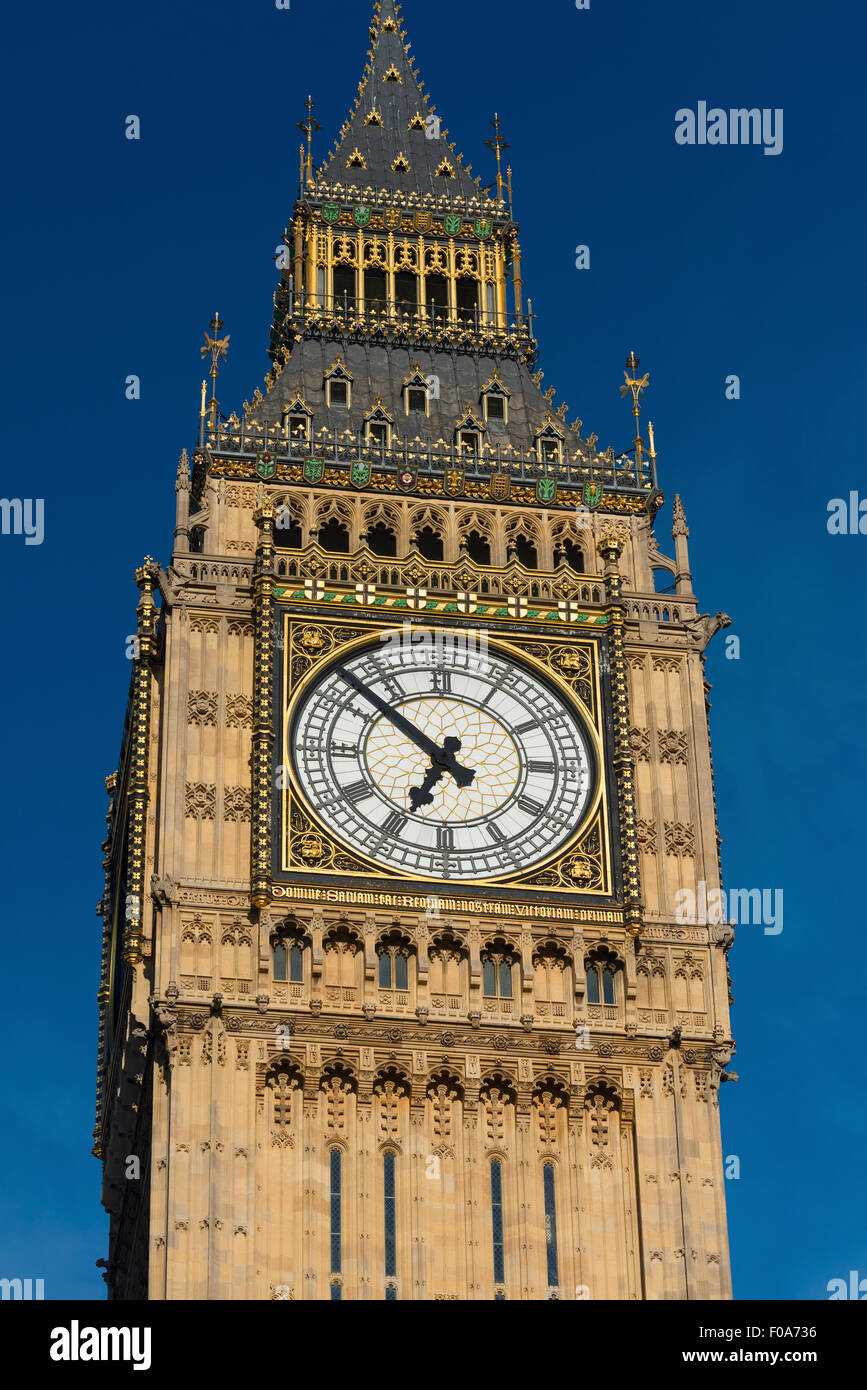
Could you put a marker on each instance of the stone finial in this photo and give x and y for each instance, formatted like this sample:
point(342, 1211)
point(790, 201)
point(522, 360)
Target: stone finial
point(680, 527)
point(183, 478)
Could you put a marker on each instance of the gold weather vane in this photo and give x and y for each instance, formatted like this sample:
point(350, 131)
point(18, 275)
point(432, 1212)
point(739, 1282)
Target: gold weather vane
point(636, 385)
point(498, 144)
point(308, 127)
point(218, 348)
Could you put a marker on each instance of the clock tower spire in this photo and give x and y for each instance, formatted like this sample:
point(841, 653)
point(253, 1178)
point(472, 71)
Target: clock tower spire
point(404, 958)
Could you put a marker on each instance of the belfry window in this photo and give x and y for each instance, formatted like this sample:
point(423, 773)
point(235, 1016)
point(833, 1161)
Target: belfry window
point(382, 540)
point(338, 394)
point(478, 548)
point(549, 450)
point(429, 543)
point(334, 537)
point(572, 553)
point(526, 553)
point(416, 401)
point(468, 441)
point(299, 427)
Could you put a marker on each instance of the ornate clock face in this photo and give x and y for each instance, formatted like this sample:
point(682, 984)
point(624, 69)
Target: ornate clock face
point(442, 759)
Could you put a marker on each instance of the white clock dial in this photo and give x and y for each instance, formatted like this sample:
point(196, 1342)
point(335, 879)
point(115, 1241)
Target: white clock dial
point(374, 748)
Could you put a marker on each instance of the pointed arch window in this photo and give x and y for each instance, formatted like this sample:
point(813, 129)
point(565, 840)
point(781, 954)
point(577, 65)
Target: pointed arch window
point(498, 963)
point(497, 1227)
point(280, 955)
point(390, 1225)
point(338, 386)
point(416, 393)
point(393, 970)
point(495, 400)
point(296, 963)
point(549, 443)
point(550, 1228)
point(601, 982)
point(335, 1212)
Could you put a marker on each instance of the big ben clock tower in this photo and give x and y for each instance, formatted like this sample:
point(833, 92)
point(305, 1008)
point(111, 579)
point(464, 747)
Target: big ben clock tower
point(398, 998)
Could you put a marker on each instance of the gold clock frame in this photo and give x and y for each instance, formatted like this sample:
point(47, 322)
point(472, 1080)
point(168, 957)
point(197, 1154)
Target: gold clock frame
point(581, 866)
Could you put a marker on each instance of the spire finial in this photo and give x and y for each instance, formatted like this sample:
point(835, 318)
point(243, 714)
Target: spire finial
point(636, 385)
point(217, 347)
point(308, 127)
point(498, 144)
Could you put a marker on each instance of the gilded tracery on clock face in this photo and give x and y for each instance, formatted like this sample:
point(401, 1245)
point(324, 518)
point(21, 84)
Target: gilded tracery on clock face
point(445, 762)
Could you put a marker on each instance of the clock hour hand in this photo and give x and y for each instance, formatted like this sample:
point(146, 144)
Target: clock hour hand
point(443, 758)
point(420, 796)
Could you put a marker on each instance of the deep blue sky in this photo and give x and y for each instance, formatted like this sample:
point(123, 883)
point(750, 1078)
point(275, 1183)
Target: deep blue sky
point(707, 261)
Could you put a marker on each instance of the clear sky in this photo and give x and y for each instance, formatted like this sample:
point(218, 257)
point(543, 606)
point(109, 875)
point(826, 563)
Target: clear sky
point(707, 260)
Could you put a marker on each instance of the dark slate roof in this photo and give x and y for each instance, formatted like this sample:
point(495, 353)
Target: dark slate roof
point(397, 104)
point(382, 370)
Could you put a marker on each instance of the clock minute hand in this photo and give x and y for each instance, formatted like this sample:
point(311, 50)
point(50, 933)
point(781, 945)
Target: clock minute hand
point(420, 740)
point(440, 757)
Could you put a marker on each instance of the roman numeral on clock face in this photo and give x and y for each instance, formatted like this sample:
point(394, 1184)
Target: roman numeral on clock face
point(344, 750)
point(527, 727)
point(533, 808)
point(394, 823)
point(357, 791)
point(445, 838)
point(495, 834)
point(534, 765)
point(442, 682)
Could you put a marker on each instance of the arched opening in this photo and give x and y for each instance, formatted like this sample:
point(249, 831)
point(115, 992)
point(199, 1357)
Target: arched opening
point(344, 286)
point(374, 290)
point(437, 296)
point(467, 299)
point(406, 292)
point(287, 530)
point(572, 554)
point(526, 553)
point(334, 537)
point(382, 540)
point(478, 548)
point(429, 544)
